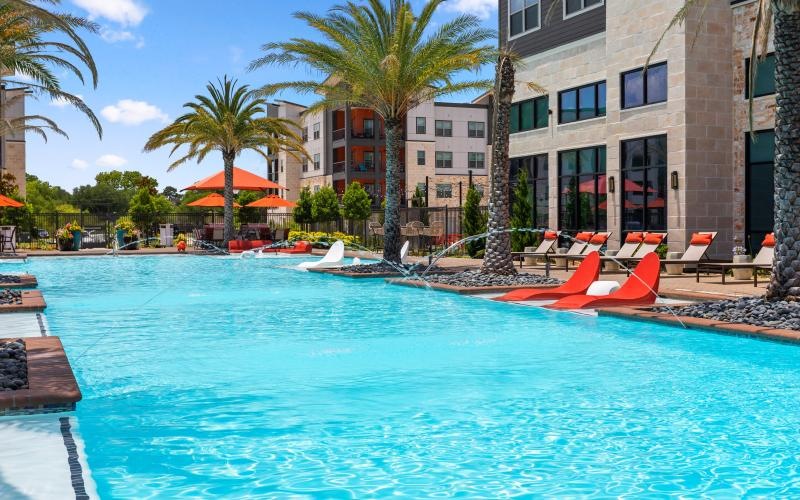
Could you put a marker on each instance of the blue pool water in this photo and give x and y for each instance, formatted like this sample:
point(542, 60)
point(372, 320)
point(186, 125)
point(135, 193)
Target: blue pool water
point(208, 377)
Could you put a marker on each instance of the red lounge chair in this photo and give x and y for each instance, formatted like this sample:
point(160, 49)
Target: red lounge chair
point(299, 247)
point(578, 283)
point(640, 289)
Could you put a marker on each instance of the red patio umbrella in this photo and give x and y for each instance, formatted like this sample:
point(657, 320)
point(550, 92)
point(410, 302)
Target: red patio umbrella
point(214, 200)
point(5, 201)
point(271, 201)
point(242, 181)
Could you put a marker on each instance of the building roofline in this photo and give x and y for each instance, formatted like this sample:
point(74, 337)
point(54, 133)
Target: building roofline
point(460, 105)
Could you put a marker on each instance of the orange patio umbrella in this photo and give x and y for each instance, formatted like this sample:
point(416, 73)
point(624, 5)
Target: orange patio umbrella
point(242, 181)
point(213, 200)
point(271, 201)
point(5, 201)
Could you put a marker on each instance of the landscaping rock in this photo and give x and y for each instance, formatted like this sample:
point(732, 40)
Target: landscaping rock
point(10, 297)
point(755, 311)
point(472, 279)
point(385, 267)
point(9, 278)
point(13, 365)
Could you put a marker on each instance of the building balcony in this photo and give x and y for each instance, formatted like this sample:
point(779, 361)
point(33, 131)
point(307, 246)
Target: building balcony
point(339, 134)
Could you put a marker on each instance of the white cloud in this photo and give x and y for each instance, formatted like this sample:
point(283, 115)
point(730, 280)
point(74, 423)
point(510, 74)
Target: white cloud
point(62, 103)
point(235, 54)
point(79, 164)
point(124, 12)
point(130, 112)
point(110, 161)
point(115, 36)
point(480, 8)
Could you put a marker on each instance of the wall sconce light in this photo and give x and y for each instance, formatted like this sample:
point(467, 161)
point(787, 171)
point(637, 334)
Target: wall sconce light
point(611, 184)
point(673, 179)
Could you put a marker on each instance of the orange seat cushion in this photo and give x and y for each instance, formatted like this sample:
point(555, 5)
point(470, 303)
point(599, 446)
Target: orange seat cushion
point(583, 236)
point(653, 239)
point(235, 245)
point(598, 239)
point(550, 235)
point(700, 239)
point(634, 238)
point(769, 240)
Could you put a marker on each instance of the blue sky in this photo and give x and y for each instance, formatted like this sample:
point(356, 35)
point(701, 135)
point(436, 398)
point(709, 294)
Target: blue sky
point(155, 55)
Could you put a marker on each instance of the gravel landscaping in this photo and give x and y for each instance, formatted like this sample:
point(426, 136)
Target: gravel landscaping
point(383, 268)
point(471, 279)
point(755, 311)
point(13, 365)
point(10, 297)
point(9, 278)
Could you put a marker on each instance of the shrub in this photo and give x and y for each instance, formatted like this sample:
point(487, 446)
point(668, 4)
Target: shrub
point(522, 214)
point(356, 203)
point(303, 211)
point(474, 222)
point(325, 205)
point(324, 239)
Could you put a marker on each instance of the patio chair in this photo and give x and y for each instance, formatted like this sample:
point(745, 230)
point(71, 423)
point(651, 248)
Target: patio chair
point(7, 239)
point(648, 244)
point(763, 260)
point(695, 252)
point(434, 233)
point(587, 273)
point(547, 246)
point(299, 247)
point(596, 242)
point(641, 288)
point(333, 258)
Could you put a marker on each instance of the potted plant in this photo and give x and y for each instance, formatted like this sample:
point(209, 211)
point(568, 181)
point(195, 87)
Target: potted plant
point(180, 242)
point(64, 239)
point(740, 256)
point(126, 233)
point(76, 232)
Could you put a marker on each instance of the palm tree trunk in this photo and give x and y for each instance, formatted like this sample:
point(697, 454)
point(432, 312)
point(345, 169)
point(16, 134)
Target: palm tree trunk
point(785, 281)
point(391, 221)
point(497, 259)
point(228, 159)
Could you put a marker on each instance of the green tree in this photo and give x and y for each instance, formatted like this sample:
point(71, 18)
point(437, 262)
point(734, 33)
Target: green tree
point(100, 198)
point(418, 200)
point(356, 203)
point(147, 210)
point(229, 120)
point(382, 55)
point(325, 206)
point(473, 222)
point(522, 214)
point(172, 195)
point(42, 197)
point(248, 214)
point(303, 211)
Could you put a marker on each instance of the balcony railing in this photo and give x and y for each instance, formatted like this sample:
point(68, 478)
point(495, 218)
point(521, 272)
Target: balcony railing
point(339, 134)
point(362, 134)
point(338, 166)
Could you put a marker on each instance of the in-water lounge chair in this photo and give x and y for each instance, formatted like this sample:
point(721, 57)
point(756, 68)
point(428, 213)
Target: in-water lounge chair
point(547, 246)
point(404, 252)
point(762, 260)
point(640, 289)
point(333, 259)
point(580, 281)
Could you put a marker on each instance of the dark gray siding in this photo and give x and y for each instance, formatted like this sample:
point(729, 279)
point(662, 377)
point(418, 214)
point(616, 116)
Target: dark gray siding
point(555, 30)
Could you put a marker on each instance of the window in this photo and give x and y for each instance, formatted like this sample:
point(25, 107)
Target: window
point(316, 161)
point(444, 128)
point(582, 189)
point(582, 103)
point(536, 168)
point(523, 16)
point(281, 166)
point(476, 161)
point(305, 134)
point(444, 159)
point(421, 187)
point(316, 189)
point(476, 129)
point(639, 88)
point(369, 128)
point(644, 184)
point(573, 7)
point(764, 80)
point(316, 131)
point(369, 159)
point(529, 115)
point(422, 125)
point(444, 190)
point(421, 157)
point(759, 187)
point(305, 165)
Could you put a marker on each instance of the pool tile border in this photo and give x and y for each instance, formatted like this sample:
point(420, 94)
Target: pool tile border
point(343, 273)
point(26, 281)
point(32, 301)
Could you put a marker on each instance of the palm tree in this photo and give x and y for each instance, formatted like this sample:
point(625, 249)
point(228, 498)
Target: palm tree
point(230, 119)
point(387, 58)
point(784, 16)
point(26, 49)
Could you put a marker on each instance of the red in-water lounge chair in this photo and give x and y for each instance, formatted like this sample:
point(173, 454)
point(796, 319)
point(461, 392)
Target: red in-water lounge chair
point(640, 289)
point(299, 247)
point(578, 283)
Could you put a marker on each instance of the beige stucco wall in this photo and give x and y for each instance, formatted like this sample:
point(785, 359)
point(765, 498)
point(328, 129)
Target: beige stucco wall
point(314, 146)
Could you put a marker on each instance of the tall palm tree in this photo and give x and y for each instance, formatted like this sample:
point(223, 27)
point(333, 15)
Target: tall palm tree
point(230, 119)
point(382, 55)
point(784, 16)
point(28, 48)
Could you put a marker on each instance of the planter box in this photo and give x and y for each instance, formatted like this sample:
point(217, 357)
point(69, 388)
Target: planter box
point(742, 274)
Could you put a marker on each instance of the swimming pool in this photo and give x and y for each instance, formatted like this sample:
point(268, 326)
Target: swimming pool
point(216, 377)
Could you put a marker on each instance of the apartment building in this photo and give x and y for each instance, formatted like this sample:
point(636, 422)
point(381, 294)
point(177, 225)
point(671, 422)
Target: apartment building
point(445, 147)
point(12, 146)
point(612, 147)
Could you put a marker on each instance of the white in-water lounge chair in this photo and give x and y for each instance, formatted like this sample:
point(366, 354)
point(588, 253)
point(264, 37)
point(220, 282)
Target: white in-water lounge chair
point(334, 258)
point(404, 252)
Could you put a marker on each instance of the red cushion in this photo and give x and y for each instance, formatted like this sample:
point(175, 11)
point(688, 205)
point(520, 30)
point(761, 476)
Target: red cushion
point(550, 235)
point(302, 246)
point(583, 236)
point(700, 239)
point(234, 245)
point(653, 239)
point(598, 239)
point(634, 238)
point(769, 240)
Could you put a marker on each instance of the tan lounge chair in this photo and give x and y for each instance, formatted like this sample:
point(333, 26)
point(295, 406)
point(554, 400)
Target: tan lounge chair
point(763, 260)
point(596, 242)
point(547, 246)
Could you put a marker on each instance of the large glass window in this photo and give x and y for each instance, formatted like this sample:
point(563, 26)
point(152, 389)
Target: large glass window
point(582, 189)
point(759, 187)
point(764, 81)
point(316, 162)
point(529, 115)
point(421, 157)
point(444, 159)
point(444, 128)
point(421, 125)
point(444, 190)
point(572, 7)
point(523, 15)
point(582, 103)
point(476, 129)
point(476, 161)
point(536, 168)
point(640, 88)
point(644, 184)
